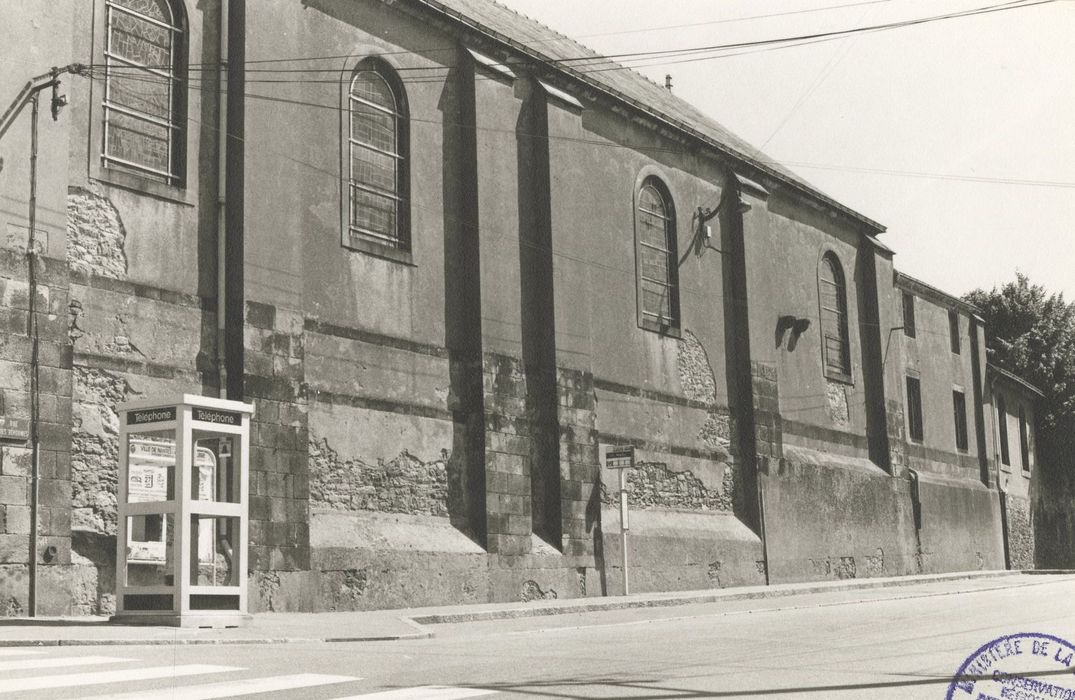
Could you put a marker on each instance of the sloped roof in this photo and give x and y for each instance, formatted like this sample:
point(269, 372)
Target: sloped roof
point(545, 45)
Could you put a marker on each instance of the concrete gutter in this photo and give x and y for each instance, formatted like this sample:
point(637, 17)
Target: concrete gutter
point(399, 625)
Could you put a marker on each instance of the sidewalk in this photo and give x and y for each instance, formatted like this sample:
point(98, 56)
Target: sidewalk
point(418, 623)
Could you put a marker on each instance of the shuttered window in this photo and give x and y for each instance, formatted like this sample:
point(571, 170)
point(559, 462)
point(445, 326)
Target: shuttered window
point(833, 290)
point(377, 167)
point(657, 274)
point(144, 89)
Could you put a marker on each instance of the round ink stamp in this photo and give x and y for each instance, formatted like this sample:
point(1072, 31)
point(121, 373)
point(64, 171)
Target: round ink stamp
point(1027, 666)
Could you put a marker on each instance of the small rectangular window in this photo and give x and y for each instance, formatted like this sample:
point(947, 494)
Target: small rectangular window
point(914, 409)
point(959, 406)
point(1024, 439)
point(953, 330)
point(1002, 423)
point(908, 315)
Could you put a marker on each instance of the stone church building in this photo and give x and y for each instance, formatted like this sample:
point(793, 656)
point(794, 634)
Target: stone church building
point(448, 254)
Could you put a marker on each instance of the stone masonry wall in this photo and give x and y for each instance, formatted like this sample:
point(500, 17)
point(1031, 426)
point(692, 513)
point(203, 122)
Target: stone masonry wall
point(1020, 533)
point(279, 441)
point(56, 578)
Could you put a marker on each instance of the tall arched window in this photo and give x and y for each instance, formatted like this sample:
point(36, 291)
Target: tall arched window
point(377, 144)
point(144, 89)
point(658, 280)
point(836, 347)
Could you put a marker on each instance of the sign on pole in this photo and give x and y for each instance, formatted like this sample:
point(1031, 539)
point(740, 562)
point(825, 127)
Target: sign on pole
point(621, 457)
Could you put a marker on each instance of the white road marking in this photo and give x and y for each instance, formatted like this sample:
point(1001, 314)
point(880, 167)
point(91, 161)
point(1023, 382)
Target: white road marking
point(73, 680)
point(247, 686)
point(16, 651)
point(58, 662)
point(425, 692)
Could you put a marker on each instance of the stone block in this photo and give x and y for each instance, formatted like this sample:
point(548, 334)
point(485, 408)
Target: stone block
point(14, 490)
point(260, 315)
point(54, 493)
point(17, 521)
point(15, 461)
point(14, 549)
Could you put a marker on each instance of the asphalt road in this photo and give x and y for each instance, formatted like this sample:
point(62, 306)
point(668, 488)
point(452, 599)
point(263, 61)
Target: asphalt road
point(892, 643)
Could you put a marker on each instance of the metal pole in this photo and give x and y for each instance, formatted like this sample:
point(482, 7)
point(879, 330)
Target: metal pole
point(624, 526)
point(31, 331)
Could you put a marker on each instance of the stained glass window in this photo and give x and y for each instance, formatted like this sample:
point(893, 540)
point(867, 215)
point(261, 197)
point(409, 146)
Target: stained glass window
point(142, 131)
point(833, 290)
point(658, 283)
point(376, 178)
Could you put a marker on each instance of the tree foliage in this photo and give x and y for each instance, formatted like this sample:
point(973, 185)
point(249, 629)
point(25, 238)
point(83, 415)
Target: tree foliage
point(1031, 333)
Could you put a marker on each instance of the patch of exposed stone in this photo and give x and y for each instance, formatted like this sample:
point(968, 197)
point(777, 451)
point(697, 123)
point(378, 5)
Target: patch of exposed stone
point(95, 235)
point(404, 484)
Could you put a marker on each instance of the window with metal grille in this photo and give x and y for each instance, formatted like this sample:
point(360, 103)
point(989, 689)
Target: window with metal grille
point(959, 407)
point(953, 331)
point(144, 89)
point(914, 409)
point(1024, 439)
point(909, 329)
point(1002, 424)
point(658, 283)
point(833, 290)
point(377, 171)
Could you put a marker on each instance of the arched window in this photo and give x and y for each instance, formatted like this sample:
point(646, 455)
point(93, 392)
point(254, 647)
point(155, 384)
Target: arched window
point(377, 170)
point(144, 89)
point(833, 292)
point(658, 280)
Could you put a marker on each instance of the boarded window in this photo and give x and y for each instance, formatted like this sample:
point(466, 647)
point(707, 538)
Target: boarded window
point(909, 329)
point(914, 409)
point(833, 290)
point(1002, 424)
point(377, 201)
point(959, 407)
point(658, 286)
point(144, 89)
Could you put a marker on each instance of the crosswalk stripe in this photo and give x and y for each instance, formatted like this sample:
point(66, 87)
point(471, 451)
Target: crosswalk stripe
point(425, 692)
point(20, 652)
point(58, 662)
point(247, 686)
point(71, 680)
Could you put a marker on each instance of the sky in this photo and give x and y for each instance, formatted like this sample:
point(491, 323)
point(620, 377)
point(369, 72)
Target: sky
point(957, 135)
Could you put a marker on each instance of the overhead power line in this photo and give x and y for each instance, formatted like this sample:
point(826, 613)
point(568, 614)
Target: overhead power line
point(652, 58)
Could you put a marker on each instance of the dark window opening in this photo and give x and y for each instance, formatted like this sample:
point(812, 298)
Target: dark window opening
point(914, 409)
point(1002, 422)
point(959, 406)
point(908, 315)
point(1024, 439)
point(953, 330)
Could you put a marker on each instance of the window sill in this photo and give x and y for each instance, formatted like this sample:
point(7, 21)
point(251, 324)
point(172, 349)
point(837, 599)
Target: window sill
point(660, 329)
point(141, 185)
point(404, 257)
point(840, 377)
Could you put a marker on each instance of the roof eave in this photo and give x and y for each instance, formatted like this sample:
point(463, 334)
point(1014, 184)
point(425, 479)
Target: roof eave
point(871, 226)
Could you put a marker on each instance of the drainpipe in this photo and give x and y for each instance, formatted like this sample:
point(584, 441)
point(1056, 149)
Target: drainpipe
point(222, 204)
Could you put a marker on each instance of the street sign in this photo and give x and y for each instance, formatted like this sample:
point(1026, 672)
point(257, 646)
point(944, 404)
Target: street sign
point(618, 456)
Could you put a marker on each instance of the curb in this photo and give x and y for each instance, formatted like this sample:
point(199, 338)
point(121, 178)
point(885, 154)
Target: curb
point(627, 603)
point(418, 622)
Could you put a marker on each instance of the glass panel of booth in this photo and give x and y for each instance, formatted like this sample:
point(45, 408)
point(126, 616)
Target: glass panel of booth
point(216, 467)
point(150, 550)
point(214, 544)
point(151, 466)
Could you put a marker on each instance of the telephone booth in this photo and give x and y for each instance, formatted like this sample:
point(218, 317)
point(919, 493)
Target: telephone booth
point(181, 533)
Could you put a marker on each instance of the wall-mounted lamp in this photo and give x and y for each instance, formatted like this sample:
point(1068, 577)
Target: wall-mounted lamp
point(796, 325)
